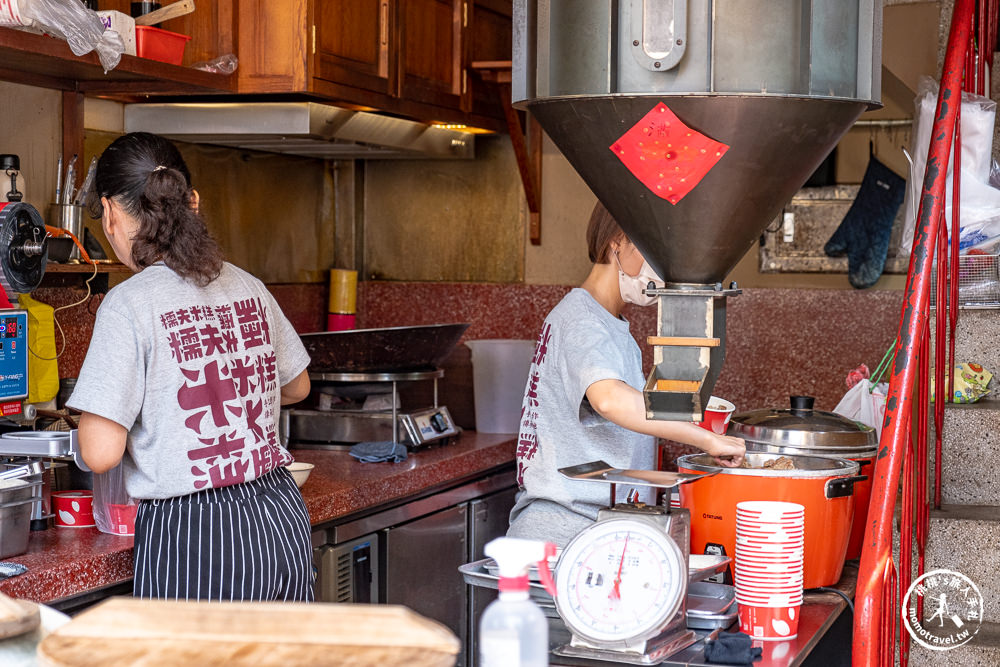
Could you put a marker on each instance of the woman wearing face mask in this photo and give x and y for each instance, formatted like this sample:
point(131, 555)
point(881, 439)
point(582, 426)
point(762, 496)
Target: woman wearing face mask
point(583, 401)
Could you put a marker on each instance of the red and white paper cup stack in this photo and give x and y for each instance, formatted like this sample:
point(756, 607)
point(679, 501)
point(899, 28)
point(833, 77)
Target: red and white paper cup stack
point(770, 543)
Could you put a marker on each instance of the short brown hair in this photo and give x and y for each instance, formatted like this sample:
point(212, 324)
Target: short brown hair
point(601, 231)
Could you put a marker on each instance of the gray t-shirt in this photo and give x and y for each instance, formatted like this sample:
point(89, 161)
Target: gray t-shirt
point(580, 343)
point(195, 375)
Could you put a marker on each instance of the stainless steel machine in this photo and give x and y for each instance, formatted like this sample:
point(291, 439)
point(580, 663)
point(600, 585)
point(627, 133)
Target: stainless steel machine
point(23, 255)
point(694, 123)
point(359, 377)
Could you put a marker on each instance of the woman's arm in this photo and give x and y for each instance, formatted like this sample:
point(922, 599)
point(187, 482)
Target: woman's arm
point(102, 442)
point(296, 390)
point(622, 404)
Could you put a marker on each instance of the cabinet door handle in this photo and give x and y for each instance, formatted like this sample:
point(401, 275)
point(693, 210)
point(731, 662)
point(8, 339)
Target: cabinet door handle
point(383, 12)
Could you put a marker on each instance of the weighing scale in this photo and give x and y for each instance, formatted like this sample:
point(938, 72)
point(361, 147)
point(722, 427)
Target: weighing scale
point(622, 582)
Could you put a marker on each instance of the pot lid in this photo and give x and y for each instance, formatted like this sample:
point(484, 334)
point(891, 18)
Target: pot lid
point(803, 427)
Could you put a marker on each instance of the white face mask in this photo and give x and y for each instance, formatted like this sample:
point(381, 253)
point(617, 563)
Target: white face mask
point(632, 287)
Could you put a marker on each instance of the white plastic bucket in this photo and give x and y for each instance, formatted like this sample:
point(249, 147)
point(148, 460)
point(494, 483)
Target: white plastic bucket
point(500, 370)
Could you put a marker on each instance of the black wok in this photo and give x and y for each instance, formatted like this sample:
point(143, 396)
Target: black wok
point(386, 350)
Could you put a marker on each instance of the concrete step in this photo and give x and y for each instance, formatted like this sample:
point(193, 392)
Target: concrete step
point(982, 651)
point(975, 337)
point(971, 440)
point(964, 538)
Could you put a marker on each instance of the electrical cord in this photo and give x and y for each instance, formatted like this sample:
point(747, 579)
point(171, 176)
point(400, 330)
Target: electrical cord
point(56, 319)
point(847, 599)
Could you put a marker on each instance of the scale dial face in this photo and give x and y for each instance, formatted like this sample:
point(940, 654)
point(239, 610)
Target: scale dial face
point(619, 581)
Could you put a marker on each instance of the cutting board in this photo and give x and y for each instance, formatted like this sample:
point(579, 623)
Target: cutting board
point(17, 616)
point(125, 631)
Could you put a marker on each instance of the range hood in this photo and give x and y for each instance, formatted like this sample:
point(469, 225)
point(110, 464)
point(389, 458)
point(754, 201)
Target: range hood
point(300, 128)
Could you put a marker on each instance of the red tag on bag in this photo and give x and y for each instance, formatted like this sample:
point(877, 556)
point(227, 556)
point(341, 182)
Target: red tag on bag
point(666, 155)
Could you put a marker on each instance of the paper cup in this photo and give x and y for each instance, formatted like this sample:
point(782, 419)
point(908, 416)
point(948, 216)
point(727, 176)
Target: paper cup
point(73, 509)
point(769, 623)
point(717, 415)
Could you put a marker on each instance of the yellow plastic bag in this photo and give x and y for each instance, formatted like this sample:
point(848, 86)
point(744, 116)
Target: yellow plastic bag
point(43, 373)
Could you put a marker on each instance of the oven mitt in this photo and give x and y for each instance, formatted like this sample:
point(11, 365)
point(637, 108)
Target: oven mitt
point(864, 232)
point(377, 452)
point(732, 648)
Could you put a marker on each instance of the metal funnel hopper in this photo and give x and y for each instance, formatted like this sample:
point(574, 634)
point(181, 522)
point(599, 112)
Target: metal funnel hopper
point(775, 143)
point(777, 82)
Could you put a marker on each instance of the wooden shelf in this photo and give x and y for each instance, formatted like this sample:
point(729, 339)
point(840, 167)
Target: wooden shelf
point(37, 60)
point(87, 269)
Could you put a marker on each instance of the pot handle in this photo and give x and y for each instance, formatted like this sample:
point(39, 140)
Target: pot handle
point(841, 487)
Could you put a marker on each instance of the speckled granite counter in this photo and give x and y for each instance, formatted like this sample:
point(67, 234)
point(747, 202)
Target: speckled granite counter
point(64, 563)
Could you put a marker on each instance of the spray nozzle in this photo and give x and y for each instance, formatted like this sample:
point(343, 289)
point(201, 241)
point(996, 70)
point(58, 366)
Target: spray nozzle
point(515, 557)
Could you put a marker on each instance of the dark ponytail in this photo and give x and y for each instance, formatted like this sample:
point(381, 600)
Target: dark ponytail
point(146, 175)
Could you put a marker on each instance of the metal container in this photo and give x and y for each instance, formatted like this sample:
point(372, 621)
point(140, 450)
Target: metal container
point(802, 430)
point(16, 499)
point(823, 486)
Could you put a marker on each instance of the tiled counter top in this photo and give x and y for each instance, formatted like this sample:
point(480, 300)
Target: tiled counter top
point(66, 562)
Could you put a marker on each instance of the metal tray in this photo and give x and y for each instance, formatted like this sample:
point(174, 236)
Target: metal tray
point(711, 606)
point(485, 572)
point(46, 444)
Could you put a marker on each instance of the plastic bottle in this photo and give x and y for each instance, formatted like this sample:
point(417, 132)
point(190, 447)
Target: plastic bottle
point(513, 632)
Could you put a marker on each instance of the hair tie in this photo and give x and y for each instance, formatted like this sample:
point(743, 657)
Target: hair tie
point(158, 167)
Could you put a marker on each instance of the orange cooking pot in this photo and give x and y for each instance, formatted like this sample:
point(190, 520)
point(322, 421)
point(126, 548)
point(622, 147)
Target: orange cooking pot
point(823, 486)
point(803, 430)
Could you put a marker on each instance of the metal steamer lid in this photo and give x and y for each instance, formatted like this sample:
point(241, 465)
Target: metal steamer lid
point(803, 428)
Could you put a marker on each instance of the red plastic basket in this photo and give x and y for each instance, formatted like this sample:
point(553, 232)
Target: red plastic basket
point(159, 44)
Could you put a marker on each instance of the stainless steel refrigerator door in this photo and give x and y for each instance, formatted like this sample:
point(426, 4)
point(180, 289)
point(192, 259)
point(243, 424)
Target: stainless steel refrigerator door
point(489, 518)
point(421, 569)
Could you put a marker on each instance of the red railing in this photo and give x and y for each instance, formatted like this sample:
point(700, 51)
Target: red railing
point(880, 584)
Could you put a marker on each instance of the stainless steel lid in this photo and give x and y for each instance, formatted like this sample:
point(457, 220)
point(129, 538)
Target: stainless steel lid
point(805, 466)
point(803, 428)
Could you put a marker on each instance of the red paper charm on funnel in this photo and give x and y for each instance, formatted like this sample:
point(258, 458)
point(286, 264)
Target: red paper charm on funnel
point(666, 155)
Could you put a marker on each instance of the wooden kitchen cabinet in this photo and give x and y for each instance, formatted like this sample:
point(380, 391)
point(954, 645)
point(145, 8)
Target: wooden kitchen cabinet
point(211, 28)
point(408, 57)
point(431, 63)
point(352, 43)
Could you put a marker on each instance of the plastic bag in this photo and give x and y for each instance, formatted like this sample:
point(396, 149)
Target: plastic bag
point(226, 64)
point(867, 407)
point(971, 383)
point(114, 509)
point(69, 20)
point(980, 200)
point(43, 369)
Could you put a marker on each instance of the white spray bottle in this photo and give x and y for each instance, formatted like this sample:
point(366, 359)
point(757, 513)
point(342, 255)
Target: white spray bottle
point(513, 632)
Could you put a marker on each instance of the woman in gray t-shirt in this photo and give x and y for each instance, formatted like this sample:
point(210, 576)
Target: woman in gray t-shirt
point(188, 365)
point(583, 401)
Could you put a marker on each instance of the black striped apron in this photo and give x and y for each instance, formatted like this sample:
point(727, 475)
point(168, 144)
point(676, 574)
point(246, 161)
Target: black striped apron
point(249, 541)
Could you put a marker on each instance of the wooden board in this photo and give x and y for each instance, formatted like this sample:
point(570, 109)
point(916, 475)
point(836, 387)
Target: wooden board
point(124, 631)
point(682, 341)
point(17, 616)
point(678, 385)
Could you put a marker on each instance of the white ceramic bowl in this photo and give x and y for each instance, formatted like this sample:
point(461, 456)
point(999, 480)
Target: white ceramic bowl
point(300, 471)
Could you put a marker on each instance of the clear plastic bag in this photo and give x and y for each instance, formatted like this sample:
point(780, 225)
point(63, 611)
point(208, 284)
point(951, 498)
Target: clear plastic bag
point(980, 198)
point(69, 20)
point(114, 509)
point(867, 407)
point(226, 64)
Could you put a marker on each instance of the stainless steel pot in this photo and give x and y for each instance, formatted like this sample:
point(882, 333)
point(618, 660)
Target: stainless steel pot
point(16, 498)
